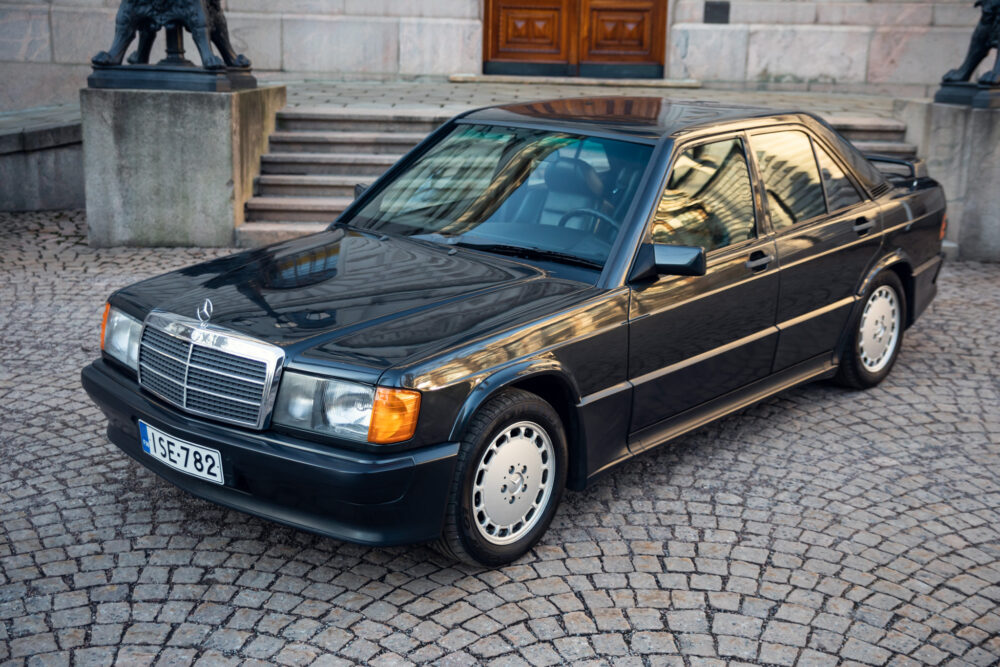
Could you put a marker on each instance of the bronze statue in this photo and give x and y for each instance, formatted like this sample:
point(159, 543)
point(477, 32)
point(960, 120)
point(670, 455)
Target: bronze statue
point(985, 37)
point(202, 18)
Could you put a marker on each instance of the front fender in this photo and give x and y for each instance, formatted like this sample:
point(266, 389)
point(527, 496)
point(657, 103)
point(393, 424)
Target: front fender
point(498, 379)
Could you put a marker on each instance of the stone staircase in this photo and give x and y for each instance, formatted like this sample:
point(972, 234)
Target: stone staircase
point(317, 156)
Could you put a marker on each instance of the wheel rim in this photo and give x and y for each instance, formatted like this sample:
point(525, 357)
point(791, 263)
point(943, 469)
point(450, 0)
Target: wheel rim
point(513, 482)
point(879, 329)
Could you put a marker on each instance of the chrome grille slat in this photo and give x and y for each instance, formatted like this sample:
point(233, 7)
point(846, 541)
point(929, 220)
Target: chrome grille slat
point(197, 368)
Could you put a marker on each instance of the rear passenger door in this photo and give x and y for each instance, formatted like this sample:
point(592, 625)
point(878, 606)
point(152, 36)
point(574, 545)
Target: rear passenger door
point(695, 338)
point(827, 233)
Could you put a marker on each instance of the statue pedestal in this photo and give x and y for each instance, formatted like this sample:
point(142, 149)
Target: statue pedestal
point(160, 77)
point(172, 168)
point(969, 95)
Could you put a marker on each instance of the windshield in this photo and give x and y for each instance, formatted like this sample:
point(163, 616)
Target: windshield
point(529, 193)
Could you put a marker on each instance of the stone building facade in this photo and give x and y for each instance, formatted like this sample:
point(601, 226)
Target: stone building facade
point(893, 47)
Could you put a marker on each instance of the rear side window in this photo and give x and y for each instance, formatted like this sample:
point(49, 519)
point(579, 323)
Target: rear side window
point(791, 179)
point(709, 200)
point(840, 192)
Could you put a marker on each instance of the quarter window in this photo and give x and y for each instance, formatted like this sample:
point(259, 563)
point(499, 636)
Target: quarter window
point(709, 200)
point(791, 179)
point(840, 192)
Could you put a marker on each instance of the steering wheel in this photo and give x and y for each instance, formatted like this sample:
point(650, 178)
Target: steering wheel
point(594, 229)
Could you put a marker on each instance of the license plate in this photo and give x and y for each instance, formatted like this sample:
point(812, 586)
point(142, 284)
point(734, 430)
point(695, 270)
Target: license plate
point(181, 455)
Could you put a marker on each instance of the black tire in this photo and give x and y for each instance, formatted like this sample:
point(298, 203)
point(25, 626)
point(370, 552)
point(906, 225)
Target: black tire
point(461, 538)
point(853, 371)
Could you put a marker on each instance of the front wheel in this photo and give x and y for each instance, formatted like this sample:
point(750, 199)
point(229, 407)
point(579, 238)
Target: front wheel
point(510, 475)
point(876, 335)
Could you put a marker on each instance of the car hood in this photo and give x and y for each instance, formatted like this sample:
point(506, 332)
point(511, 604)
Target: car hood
point(356, 300)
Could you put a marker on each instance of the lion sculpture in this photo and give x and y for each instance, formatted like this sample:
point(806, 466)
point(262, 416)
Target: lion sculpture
point(202, 18)
point(985, 37)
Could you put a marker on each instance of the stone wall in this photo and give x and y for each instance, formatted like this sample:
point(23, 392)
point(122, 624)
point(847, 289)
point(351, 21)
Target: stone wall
point(45, 47)
point(895, 47)
point(892, 47)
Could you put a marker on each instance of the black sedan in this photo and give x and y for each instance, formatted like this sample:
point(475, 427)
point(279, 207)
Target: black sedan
point(536, 293)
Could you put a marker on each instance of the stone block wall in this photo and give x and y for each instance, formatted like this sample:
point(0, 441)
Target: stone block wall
point(894, 47)
point(45, 47)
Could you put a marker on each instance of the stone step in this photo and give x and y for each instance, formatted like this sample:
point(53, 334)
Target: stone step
point(296, 209)
point(257, 234)
point(868, 128)
point(395, 143)
point(323, 119)
point(309, 185)
point(345, 164)
point(893, 148)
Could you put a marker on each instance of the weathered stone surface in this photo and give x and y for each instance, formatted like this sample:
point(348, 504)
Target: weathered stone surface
point(440, 46)
point(170, 168)
point(78, 33)
point(829, 53)
point(920, 55)
point(874, 14)
point(980, 232)
point(774, 12)
point(24, 34)
point(708, 52)
point(50, 178)
point(341, 44)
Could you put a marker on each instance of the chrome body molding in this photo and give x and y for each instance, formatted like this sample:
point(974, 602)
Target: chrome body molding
point(196, 335)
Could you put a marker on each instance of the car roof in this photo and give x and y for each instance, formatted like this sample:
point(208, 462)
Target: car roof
point(646, 117)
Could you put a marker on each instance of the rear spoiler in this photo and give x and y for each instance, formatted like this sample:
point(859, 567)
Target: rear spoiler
point(909, 168)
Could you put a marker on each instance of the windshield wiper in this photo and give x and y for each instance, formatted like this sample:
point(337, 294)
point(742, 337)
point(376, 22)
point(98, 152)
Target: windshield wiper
point(533, 253)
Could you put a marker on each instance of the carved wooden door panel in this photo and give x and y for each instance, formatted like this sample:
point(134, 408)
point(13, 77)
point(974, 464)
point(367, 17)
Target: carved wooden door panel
point(627, 34)
point(618, 38)
point(542, 32)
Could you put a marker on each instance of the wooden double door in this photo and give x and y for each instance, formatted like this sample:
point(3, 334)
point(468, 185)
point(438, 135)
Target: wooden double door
point(600, 38)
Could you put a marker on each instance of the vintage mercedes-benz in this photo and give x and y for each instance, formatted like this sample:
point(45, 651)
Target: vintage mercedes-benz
point(534, 294)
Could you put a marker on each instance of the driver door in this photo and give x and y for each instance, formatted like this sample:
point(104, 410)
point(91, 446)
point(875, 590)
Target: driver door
point(693, 339)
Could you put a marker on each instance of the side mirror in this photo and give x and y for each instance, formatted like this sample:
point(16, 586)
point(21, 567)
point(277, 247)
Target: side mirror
point(658, 259)
point(359, 189)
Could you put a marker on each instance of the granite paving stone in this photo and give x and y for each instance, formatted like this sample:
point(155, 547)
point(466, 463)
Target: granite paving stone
point(819, 527)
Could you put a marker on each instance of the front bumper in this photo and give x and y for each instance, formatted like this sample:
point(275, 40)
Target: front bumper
point(378, 500)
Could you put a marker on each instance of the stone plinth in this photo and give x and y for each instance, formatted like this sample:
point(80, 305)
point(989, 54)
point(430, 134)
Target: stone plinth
point(172, 168)
point(962, 148)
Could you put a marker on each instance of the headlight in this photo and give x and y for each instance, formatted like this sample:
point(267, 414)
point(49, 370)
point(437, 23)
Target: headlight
point(120, 336)
point(346, 409)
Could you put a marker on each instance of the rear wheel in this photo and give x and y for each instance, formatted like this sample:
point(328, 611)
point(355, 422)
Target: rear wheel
point(510, 475)
point(876, 335)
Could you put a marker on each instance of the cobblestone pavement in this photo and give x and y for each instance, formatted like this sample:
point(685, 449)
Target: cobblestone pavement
point(823, 526)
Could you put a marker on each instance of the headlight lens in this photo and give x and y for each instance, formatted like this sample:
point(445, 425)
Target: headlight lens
point(339, 408)
point(120, 336)
point(346, 409)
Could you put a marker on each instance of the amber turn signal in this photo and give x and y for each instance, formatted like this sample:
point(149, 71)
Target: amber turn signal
point(104, 322)
point(944, 227)
point(394, 415)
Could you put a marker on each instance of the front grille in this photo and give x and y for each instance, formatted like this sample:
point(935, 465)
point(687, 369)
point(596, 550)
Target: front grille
point(200, 377)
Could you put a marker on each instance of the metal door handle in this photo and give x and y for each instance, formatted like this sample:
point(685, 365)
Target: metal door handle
point(759, 260)
point(863, 225)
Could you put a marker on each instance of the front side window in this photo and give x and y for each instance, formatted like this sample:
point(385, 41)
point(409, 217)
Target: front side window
point(511, 190)
point(840, 192)
point(709, 200)
point(791, 179)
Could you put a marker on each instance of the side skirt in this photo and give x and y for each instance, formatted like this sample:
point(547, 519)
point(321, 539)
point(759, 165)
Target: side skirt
point(817, 368)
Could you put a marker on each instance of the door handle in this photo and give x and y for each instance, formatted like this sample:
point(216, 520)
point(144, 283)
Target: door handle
point(759, 260)
point(863, 225)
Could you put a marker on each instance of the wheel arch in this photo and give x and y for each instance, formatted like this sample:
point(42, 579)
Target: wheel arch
point(547, 379)
point(899, 263)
